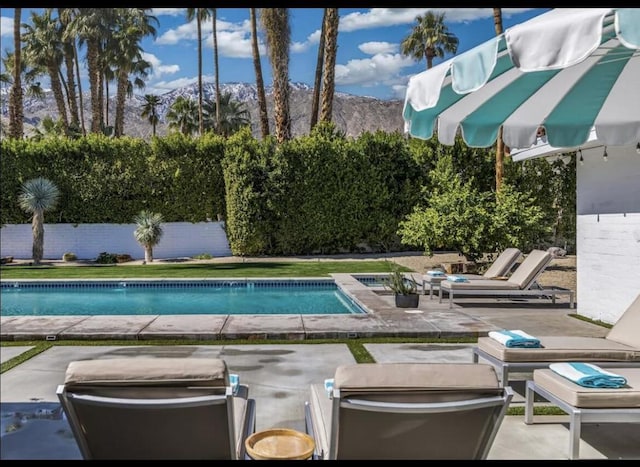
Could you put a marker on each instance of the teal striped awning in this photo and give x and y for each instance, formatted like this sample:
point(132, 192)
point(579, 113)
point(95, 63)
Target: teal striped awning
point(570, 71)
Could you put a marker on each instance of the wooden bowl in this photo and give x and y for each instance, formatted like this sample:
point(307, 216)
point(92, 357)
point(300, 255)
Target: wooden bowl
point(279, 443)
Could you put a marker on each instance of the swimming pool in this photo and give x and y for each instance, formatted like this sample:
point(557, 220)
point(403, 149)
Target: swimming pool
point(175, 297)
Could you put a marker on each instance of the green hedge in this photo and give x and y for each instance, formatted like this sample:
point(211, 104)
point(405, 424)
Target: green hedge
point(320, 193)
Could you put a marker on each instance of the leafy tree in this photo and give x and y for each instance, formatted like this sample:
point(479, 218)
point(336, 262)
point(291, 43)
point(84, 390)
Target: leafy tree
point(455, 215)
point(429, 39)
point(36, 196)
point(148, 231)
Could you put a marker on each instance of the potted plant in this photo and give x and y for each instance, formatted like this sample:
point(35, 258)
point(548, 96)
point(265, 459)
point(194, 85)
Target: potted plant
point(404, 289)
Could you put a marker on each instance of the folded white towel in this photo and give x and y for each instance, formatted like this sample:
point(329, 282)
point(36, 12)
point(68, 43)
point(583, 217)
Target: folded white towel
point(453, 278)
point(588, 375)
point(514, 338)
point(435, 272)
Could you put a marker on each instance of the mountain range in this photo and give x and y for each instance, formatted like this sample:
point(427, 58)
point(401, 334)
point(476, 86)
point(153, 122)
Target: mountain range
point(351, 114)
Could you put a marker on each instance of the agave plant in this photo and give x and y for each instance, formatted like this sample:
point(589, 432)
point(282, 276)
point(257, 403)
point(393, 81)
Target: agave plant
point(37, 196)
point(148, 232)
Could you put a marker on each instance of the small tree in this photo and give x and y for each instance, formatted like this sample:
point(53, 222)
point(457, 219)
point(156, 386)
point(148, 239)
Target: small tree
point(148, 232)
point(37, 196)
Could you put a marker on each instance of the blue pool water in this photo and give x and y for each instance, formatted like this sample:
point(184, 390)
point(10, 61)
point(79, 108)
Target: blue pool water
point(212, 297)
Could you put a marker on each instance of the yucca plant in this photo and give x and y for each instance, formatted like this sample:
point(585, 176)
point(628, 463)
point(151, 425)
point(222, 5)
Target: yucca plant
point(148, 232)
point(37, 196)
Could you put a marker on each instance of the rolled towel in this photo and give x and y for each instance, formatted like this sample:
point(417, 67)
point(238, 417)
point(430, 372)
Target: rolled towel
point(328, 386)
point(435, 273)
point(588, 375)
point(453, 278)
point(515, 338)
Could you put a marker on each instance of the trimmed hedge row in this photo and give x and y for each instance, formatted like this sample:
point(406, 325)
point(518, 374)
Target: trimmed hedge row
point(321, 193)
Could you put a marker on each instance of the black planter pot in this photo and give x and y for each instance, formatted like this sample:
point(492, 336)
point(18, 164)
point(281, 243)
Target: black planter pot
point(407, 301)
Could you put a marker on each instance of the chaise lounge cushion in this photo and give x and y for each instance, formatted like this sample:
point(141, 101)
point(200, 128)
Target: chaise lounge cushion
point(598, 398)
point(480, 284)
point(147, 372)
point(627, 328)
point(427, 382)
point(562, 349)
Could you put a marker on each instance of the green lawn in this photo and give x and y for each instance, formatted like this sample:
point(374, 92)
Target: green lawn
point(248, 269)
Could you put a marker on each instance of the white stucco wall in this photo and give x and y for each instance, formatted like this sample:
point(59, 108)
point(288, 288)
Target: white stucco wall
point(87, 241)
point(608, 232)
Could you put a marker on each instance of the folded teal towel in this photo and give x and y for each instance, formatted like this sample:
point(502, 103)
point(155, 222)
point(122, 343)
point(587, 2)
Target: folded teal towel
point(589, 375)
point(515, 338)
point(457, 279)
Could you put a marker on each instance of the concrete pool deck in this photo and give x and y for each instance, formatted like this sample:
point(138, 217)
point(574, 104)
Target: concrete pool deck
point(278, 376)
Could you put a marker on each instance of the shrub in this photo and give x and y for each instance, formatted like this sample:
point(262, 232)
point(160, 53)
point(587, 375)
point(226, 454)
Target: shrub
point(68, 256)
point(107, 258)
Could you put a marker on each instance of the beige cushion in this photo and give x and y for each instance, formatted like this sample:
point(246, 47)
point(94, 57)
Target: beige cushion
point(627, 328)
point(535, 262)
point(148, 371)
point(480, 284)
point(579, 396)
point(562, 348)
point(390, 378)
point(503, 263)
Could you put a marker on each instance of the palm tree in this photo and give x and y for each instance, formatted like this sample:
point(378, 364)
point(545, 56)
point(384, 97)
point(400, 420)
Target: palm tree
point(275, 22)
point(69, 53)
point(43, 46)
point(29, 75)
point(197, 13)
point(16, 109)
point(66, 17)
point(37, 196)
point(497, 21)
point(262, 99)
point(429, 39)
point(183, 115)
point(330, 51)
point(315, 103)
point(150, 110)
point(132, 25)
point(213, 13)
point(148, 232)
point(91, 27)
point(233, 115)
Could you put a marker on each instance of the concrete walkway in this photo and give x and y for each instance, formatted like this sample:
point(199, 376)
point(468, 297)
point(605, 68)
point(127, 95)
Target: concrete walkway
point(278, 376)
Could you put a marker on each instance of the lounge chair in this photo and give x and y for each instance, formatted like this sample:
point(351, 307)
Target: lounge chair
point(499, 268)
point(619, 348)
point(586, 405)
point(522, 282)
point(156, 408)
point(407, 411)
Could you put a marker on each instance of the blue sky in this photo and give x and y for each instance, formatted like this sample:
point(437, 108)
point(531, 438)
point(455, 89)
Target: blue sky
point(368, 63)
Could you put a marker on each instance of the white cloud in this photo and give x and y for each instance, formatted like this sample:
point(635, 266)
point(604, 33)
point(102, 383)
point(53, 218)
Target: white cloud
point(158, 68)
point(6, 26)
point(373, 48)
point(381, 17)
point(168, 11)
point(234, 39)
point(312, 39)
point(379, 69)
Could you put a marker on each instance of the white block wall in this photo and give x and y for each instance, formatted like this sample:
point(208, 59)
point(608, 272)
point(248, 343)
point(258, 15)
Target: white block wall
point(87, 241)
point(608, 232)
